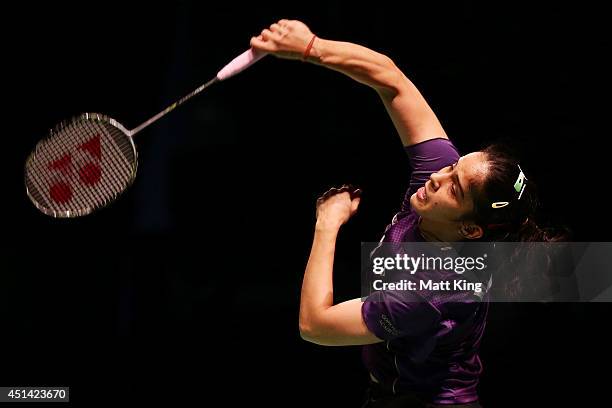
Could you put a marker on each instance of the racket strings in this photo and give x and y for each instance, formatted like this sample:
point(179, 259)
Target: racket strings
point(79, 183)
point(55, 178)
point(82, 166)
point(51, 172)
point(115, 169)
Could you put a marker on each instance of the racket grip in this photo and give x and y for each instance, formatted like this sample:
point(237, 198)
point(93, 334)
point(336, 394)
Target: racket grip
point(240, 63)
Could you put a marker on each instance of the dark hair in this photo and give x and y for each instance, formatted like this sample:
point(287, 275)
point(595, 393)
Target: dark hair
point(514, 222)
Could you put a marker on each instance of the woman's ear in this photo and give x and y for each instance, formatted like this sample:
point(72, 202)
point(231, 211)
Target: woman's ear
point(470, 230)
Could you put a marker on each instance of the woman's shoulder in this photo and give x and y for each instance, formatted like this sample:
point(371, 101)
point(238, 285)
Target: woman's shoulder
point(434, 153)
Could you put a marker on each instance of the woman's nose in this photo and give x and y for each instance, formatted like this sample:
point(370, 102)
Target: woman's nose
point(435, 180)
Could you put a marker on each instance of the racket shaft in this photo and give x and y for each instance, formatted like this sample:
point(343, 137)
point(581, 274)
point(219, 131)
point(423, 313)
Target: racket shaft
point(238, 64)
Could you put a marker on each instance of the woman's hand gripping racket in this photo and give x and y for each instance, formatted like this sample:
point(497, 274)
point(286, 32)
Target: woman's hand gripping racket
point(86, 163)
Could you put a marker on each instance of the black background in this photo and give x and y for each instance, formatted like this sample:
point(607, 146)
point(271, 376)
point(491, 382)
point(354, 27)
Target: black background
point(187, 287)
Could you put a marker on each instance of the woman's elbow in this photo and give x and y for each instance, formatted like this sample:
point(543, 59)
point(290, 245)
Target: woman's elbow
point(313, 337)
point(306, 336)
point(308, 332)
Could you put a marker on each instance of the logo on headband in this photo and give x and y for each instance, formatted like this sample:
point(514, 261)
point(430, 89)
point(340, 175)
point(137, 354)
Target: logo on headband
point(519, 186)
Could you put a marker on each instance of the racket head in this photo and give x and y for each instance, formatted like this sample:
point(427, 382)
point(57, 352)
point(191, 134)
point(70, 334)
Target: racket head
point(82, 165)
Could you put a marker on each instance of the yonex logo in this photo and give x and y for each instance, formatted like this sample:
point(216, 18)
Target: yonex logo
point(89, 172)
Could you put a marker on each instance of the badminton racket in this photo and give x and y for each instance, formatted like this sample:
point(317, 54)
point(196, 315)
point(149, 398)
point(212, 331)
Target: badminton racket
point(85, 163)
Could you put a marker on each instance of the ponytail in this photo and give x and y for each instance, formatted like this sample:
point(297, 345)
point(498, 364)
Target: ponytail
point(506, 207)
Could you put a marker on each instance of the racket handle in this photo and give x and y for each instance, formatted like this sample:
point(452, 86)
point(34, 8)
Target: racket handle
point(240, 63)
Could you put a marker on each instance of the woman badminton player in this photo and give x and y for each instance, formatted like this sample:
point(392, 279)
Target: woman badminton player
point(423, 353)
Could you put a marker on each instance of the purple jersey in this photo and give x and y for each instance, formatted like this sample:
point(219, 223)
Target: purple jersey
point(431, 340)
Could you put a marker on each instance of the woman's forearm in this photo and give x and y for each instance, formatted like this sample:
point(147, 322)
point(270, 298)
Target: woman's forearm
point(360, 63)
point(414, 120)
point(317, 287)
point(412, 116)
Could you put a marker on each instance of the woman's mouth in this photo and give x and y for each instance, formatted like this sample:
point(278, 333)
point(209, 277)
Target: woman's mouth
point(421, 194)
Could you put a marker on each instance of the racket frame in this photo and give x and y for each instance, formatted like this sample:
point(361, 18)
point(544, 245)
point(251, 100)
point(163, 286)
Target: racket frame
point(96, 117)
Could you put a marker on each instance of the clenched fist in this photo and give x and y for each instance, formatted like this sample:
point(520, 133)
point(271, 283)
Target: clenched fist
point(285, 39)
point(336, 206)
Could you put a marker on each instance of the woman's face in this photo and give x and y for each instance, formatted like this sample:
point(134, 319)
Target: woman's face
point(447, 195)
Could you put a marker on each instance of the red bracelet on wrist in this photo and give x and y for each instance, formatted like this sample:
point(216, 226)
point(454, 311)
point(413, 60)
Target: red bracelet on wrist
point(308, 48)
